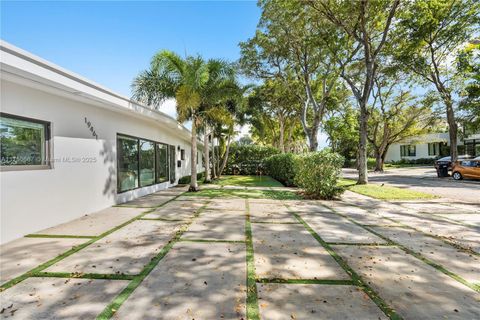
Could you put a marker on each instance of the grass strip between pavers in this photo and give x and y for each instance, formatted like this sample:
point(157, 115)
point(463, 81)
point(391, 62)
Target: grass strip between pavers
point(273, 222)
point(211, 240)
point(403, 225)
point(417, 255)
point(83, 275)
point(306, 281)
point(357, 280)
point(362, 244)
point(253, 312)
point(57, 236)
point(117, 302)
point(74, 249)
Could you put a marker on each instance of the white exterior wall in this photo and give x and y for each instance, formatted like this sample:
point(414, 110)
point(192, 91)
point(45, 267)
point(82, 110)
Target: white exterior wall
point(36, 199)
point(393, 153)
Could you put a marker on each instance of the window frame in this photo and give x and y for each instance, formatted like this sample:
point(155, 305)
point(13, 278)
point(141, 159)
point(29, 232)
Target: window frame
point(155, 144)
point(154, 162)
point(405, 150)
point(47, 127)
point(167, 165)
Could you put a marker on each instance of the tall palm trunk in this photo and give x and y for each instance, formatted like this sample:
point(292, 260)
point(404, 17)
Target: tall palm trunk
point(214, 173)
point(193, 157)
point(225, 157)
point(206, 153)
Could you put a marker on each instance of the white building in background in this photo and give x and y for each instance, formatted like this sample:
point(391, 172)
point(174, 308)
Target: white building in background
point(70, 147)
point(432, 145)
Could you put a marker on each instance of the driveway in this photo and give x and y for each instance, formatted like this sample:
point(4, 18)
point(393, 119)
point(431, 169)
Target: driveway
point(170, 256)
point(425, 179)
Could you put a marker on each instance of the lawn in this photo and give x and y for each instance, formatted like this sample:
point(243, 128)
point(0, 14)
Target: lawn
point(248, 181)
point(246, 194)
point(384, 192)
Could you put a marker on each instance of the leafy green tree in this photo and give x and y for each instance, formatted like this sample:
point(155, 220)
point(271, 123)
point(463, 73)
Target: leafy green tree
point(286, 46)
point(468, 64)
point(363, 30)
point(341, 128)
point(428, 35)
point(190, 81)
point(395, 115)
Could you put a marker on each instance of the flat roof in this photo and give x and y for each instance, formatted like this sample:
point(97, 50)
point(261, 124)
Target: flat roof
point(17, 63)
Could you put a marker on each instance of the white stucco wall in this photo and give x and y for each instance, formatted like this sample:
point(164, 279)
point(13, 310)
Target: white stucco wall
point(393, 153)
point(36, 199)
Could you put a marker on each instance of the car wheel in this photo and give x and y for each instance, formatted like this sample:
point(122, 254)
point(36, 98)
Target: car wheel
point(457, 175)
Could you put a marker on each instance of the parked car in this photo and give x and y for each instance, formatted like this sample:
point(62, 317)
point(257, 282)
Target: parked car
point(476, 158)
point(466, 169)
point(448, 161)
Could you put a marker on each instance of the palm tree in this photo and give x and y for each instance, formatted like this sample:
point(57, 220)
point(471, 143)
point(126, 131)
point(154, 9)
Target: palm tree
point(170, 76)
point(196, 85)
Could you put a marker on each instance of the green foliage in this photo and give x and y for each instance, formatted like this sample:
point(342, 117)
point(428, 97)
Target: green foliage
point(281, 167)
point(247, 159)
point(342, 132)
point(469, 65)
point(248, 181)
point(318, 173)
point(187, 179)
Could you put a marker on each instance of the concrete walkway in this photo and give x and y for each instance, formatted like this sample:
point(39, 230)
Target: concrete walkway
point(167, 256)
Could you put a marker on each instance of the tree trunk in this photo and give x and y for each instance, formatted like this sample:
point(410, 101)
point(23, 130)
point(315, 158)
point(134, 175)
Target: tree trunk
point(206, 153)
point(214, 173)
point(225, 158)
point(452, 131)
point(312, 139)
point(193, 157)
point(362, 148)
point(281, 138)
point(378, 161)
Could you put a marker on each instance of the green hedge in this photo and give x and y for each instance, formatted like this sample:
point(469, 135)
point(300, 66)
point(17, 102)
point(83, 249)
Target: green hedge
point(281, 168)
point(318, 173)
point(248, 159)
point(187, 179)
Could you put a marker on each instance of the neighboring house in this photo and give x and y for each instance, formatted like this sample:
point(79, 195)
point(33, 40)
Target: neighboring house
point(70, 147)
point(432, 145)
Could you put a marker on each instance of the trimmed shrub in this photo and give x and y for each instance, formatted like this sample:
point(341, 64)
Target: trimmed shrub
point(248, 159)
point(318, 172)
point(187, 179)
point(281, 167)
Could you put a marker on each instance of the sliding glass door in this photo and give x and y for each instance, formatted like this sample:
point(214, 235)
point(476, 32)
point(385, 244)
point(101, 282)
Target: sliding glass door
point(127, 163)
point(162, 162)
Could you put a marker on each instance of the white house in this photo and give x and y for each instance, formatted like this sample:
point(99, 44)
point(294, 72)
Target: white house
point(432, 145)
point(70, 147)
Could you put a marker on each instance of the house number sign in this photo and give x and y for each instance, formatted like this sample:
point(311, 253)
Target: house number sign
point(90, 127)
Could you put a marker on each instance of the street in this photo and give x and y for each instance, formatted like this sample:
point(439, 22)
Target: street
point(424, 179)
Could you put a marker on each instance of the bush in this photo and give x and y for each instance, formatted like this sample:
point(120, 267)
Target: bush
point(318, 172)
point(247, 159)
point(187, 179)
point(281, 167)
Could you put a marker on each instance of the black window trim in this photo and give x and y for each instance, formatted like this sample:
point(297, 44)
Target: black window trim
point(138, 161)
point(48, 145)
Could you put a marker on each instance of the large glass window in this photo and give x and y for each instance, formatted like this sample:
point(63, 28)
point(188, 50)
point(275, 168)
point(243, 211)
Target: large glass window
point(147, 163)
point(408, 151)
point(23, 141)
point(127, 155)
point(162, 162)
point(434, 149)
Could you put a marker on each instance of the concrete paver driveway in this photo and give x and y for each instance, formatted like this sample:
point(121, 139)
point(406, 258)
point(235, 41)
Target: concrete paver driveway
point(169, 256)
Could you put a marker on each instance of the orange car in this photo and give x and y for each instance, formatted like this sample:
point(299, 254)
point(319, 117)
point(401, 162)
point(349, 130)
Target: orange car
point(466, 169)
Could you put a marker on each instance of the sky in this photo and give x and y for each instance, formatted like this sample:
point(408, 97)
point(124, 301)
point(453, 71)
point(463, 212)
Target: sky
point(110, 42)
